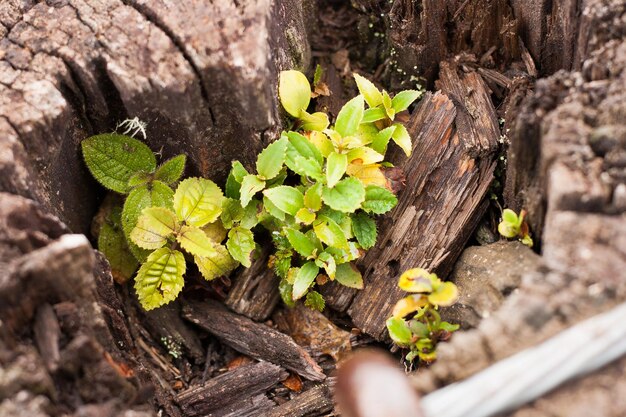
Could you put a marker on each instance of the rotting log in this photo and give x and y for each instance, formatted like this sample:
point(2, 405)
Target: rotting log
point(455, 136)
point(230, 389)
point(253, 339)
point(315, 401)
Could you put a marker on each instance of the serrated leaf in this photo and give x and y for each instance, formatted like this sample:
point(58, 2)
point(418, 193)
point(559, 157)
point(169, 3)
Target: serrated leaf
point(382, 138)
point(399, 331)
point(315, 301)
point(350, 117)
point(300, 242)
point(317, 121)
point(364, 229)
point(251, 215)
point(348, 275)
point(272, 210)
point(160, 278)
point(250, 185)
point(403, 99)
point(364, 156)
point(305, 216)
point(346, 196)
point(372, 95)
point(157, 195)
point(139, 178)
point(327, 261)
point(233, 182)
point(285, 198)
point(113, 159)
point(195, 241)
point(373, 115)
point(303, 279)
point(330, 233)
point(378, 200)
point(198, 201)
point(286, 293)
point(171, 170)
point(215, 231)
point(112, 243)
point(323, 144)
point(300, 145)
point(335, 168)
point(313, 197)
point(231, 212)
point(368, 174)
point(241, 245)
point(294, 91)
point(153, 228)
point(388, 105)
point(217, 264)
point(270, 161)
point(402, 138)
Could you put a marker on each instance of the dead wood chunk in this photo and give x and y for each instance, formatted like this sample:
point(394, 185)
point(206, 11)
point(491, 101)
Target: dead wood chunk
point(253, 339)
point(337, 296)
point(248, 407)
point(315, 401)
point(47, 335)
point(254, 292)
point(447, 178)
point(230, 388)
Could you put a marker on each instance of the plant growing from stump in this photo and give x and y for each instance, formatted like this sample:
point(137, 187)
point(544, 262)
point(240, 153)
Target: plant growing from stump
point(513, 226)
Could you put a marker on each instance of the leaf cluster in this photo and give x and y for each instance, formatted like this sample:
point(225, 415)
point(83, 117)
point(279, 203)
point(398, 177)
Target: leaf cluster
point(424, 329)
point(513, 226)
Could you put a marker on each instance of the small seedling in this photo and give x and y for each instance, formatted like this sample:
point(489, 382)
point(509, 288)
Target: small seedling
point(424, 329)
point(513, 226)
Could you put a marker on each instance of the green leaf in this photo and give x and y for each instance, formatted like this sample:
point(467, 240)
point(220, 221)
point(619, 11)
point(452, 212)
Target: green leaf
point(402, 138)
point(112, 243)
point(300, 242)
point(157, 195)
point(301, 146)
point(198, 201)
point(403, 99)
point(250, 185)
point(444, 295)
point(330, 233)
point(448, 327)
point(251, 215)
point(231, 212)
point(304, 278)
point(388, 105)
point(315, 301)
point(373, 115)
point(321, 142)
point(270, 161)
point(399, 331)
point(510, 216)
point(364, 229)
point(241, 244)
point(327, 261)
point(372, 95)
point(217, 264)
point(381, 140)
point(233, 182)
point(153, 228)
point(171, 170)
point(317, 76)
point(112, 159)
point(378, 200)
point(317, 121)
point(285, 198)
point(346, 196)
point(349, 276)
point(272, 210)
point(313, 197)
point(305, 216)
point(195, 241)
point(139, 178)
point(335, 168)
point(286, 293)
point(160, 278)
point(294, 91)
point(350, 117)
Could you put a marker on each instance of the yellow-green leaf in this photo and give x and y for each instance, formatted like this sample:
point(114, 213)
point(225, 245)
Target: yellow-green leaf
point(368, 174)
point(219, 263)
point(285, 198)
point(195, 241)
point(364, 156)
point(241, 245)
point(409, 304)
point(348, 275)
point(346, 196)
point(198, 201)
point(327, 261)
point(364, 228)
point(399, 331)
point(233, 182)
point(330, 233)
point(215, 231)
point(373, 115)
point(403, 99)
point(313, 197)
point(303, 279)
point(402, 138)
point(350, 117)
point(250, 185)
point(321, 142)
point(294, 91)
point(335, 168)
point(317, 121)
point(305, 216)
point(378, 200)
point(160, 278)
point(300, 242)
point(270, 161)
point(444, 295)
point(171, 170)
point(416, 280)
point(153, 228)
point(112, 243)
point(372, 95)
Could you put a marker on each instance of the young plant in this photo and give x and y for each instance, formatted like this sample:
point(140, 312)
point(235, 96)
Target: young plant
point(424, 329)
point(197, 204)
point(322, 220)
point(127, 166)
point(513, 226)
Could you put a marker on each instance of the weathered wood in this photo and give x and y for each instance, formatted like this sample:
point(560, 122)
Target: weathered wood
point(315, 401)
point(229, 389)
point(254, 292)
point(253, 339)
point(448, 175)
